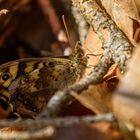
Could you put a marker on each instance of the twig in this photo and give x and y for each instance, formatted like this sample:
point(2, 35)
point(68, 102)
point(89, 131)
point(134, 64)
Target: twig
point(48, 126)
point(57, 122)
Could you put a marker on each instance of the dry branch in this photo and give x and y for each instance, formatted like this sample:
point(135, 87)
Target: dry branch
point(57, 122)
point(46, 128)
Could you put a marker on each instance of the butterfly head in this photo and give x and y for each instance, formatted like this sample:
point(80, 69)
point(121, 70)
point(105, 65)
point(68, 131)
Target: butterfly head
point(78, 55)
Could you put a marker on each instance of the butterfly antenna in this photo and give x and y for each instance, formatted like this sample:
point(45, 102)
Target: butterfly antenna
point(66, 29)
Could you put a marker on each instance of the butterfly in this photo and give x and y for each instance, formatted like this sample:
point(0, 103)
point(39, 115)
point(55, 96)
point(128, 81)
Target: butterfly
point(35, 74)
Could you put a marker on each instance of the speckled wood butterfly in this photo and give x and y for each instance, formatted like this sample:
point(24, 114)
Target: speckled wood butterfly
point(39, 76)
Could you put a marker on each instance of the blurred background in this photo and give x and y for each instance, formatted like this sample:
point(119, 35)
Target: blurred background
point(34, 28)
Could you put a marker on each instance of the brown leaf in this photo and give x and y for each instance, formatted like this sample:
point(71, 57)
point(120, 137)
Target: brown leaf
point(129, 8)
point(137, 2)
point(98, 97)
point(92, 45)
point(125, 12)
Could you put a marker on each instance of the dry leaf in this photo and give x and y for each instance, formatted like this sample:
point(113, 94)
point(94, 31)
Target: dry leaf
point(92, 45)
point(98, 97)
point(129, 8)
point(126, 15)
point(107, 4)
point(137, 2)
point(122, 19)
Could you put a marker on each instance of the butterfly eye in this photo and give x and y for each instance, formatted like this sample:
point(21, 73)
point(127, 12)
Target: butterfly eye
point(50, 64)
point(26, 102)
point(5, 76)
point(26, 79)
point(34, 109)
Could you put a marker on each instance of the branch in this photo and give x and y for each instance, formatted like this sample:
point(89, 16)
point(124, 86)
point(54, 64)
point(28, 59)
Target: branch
point(57, 122)
point(38, 129)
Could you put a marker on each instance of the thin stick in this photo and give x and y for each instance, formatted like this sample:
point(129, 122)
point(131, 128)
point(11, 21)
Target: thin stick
point(65, 25)
point(57, 122)
point(47, 127)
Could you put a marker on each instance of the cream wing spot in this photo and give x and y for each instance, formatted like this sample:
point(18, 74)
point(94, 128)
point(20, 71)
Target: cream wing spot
point(13, 71)
point(29, 67)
